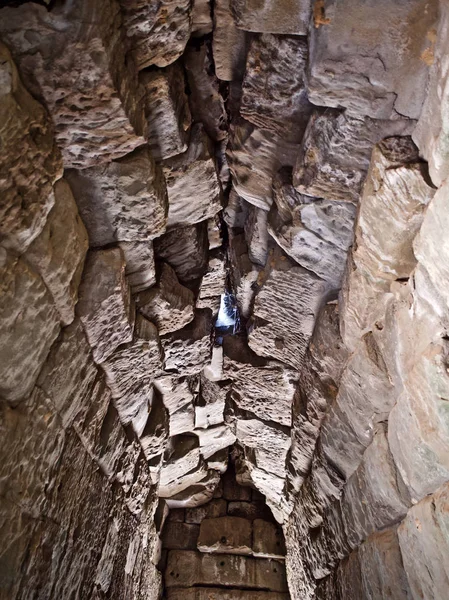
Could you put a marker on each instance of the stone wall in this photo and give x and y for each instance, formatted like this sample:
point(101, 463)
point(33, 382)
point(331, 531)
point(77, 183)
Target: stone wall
point(154, 156)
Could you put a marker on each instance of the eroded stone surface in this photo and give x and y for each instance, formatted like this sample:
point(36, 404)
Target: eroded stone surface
point(273, 17)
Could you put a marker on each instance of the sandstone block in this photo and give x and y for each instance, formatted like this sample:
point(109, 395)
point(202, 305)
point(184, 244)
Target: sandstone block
point(225, 535)
point(140, 268)
point(244, 274)
point(169, 304)
point(368, 75)
point(58, 253)
point(273, 92)
point(249, 510)
point(254, 156)
point(209, 410)
point(166, 111)
point(29, 324)
point(272, 17)
point(64, 45)
point(185, 249)
point(158, 33)
point(201, 18)
point(334, 156)
point(124, 200)
point(192, 183)
point(182, 467)
point(268, 540)
point(151, 426)
point(30, 161)
point(221, 594)
point(284, 311)
point(232, 490)
point(188, 350)
point(213, 283)
point(198, 494)
point(214, 439)
point(432, 129)
point(206, 102)
point(132, 368)
point(256, 234)
point(104, 307)
point(186, 569)
point(180, 536)
point(211, 510)
point(423, 540)
point(178, 398)
point(229, 44)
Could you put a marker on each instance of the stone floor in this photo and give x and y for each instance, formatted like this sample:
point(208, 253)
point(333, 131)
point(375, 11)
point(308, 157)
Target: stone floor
point(228, 549)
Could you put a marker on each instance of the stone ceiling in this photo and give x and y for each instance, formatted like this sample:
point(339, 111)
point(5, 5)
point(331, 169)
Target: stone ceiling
point(157, 157)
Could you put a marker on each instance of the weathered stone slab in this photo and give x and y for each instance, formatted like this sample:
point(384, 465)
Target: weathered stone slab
point(192, 183)
point(265, 390)
point(197, 494)
point(381, 566)
point(211, 510)
point(178, 399)
point(29, 164)
point(169, 304)
point(58, 253)
point(180, 536)
point(206, 102)
point(392, 207)
point(104, 306)
point(166, 111)
point(158, 33)
point(273, 92)
point(63, 45)
point(423, 539)
point(244, 274)
point(232, 490)
point(132, 368)
point(182, 468)
point(151, 425)
point(335, 152)
point(367, 74)
point(201, 18)
point(254, 156)
point(432, 130)
point(229, 44)
point(140, 268)
point(124, 200)
point(222, 594)
point(314, 233)
point(186, 569)
point(214, 439)
point(188, 350)
point(213, 283)
point(273, 17)
point(225, 535)
point(268, 540)
point(186, 250)
point(284, 312)
point(256, 234)
point(29, 324)
point(249, 510)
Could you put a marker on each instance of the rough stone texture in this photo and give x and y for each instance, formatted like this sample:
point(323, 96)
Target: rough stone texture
point(285, 310)
point(379, 71)
point(206, 102)
point(254, 156)
point(256, 234)
point(105, 306)
point(244, 274)
point(273, 17)
point(166, 111)
point(30, 159)
point(273, 90)
point(140, 268)
point(221, 594)
point(178, 399)
point(131, 369)
point(335, 153)
point(186, 251)
point(58, 253)
point(123, 201)
point(229, 44)
point(211, 510)
point(192, 183)
point(29, 324)
point(213, 283)
point(158, 33)
point(314, 233)
point(201, 18)
point(180, 536)
point(182, 468)
point(214, 439)
point(225, 535)
point(209, 570)
point(169, 304)
point(423, 540)
point(61, 46)
point(431, 132)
